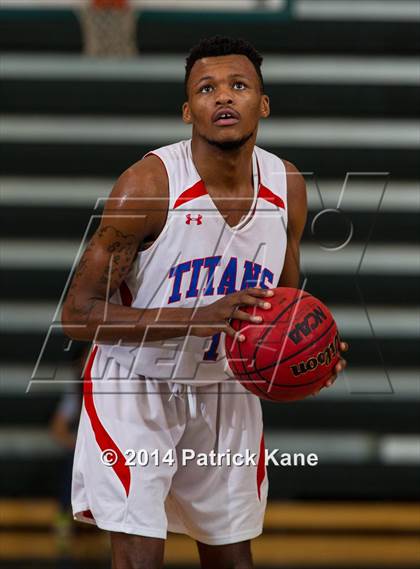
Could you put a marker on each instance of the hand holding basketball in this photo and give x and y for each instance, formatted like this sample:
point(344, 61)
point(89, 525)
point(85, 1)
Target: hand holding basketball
point(215, 317)
point(339, 367)
point(294, 353)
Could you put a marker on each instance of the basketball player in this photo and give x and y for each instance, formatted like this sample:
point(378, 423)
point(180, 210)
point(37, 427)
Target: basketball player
point(190, 235)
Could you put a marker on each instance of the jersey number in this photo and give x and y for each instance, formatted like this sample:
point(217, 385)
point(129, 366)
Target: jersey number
point(212, 353)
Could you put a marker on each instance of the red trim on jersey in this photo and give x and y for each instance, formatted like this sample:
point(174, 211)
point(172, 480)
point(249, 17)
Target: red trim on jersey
point(196, 191)
point(87, 514)
point(261, 467)
point(266, 194)
point(125, 293)
point(103, 439)
point(109, 4)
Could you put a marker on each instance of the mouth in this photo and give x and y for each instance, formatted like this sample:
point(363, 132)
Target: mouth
point(226, 117)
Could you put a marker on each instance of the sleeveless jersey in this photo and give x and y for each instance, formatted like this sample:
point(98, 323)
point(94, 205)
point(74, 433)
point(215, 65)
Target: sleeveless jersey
point(197, 259)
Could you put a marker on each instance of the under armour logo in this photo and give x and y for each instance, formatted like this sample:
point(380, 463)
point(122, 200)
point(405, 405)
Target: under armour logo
point(197, 219)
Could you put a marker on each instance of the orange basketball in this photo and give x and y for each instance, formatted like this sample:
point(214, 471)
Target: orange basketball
point(292, 353)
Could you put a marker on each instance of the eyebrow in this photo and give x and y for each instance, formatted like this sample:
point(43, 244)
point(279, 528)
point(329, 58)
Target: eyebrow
point(211, 77)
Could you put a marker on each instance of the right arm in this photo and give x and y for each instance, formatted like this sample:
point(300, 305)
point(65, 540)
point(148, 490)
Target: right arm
point(135, 213)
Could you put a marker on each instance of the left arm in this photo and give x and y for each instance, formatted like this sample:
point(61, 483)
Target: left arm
point(297, 206)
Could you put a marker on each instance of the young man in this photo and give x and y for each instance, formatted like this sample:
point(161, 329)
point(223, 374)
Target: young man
point(190, 235)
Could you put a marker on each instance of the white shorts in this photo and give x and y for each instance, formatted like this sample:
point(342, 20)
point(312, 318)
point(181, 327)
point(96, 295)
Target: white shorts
point(143, 494)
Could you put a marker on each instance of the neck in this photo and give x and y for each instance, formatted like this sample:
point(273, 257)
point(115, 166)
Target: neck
point(222, 168)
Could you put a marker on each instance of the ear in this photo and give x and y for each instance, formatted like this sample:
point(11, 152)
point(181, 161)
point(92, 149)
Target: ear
point(265, 106)
point(186, 113)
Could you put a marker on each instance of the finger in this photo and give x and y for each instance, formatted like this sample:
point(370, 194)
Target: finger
point(248, 300)
point(229, 331)
point(340, 366)
point(330, 381)
point(342, 363)
point(344, 346)
point(260, 292)
point(241, 315)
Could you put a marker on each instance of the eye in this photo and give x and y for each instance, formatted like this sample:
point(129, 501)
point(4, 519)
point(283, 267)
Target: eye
point(206, 89)
point(238, 85)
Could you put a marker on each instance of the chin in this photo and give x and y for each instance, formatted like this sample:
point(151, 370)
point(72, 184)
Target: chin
point(231, 143)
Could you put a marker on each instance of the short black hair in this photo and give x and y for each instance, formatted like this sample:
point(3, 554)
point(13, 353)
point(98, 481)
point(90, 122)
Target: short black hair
point(223, 45)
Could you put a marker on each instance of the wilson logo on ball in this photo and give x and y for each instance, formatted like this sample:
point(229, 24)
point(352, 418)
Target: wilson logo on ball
point(311, 321)
point(322, 358)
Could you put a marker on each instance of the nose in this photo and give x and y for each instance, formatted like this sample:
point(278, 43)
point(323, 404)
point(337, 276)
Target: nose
point(224, 96)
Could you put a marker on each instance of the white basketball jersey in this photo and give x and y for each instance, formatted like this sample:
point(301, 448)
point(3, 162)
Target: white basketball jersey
point(197, 259)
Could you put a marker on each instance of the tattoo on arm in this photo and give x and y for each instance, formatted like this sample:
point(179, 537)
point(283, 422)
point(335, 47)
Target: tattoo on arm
point(122, 249)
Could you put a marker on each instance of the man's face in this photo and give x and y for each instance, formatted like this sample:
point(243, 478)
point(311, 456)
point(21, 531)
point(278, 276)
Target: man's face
point(225, 101)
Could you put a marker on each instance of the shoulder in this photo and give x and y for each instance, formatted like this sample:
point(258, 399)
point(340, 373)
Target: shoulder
point(145, 178)
point(140, 186)
point(297, 199)
point(296, 185)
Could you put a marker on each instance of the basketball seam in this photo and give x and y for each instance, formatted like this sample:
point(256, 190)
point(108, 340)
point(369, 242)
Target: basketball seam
point(300, 351)
point(250, 378)
point(264, 393)
point(285, 384)
point(270, 327)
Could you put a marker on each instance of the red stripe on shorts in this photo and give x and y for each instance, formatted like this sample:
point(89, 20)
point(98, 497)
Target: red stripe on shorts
point(103, 439)
point(88, 514)
point(261, 466)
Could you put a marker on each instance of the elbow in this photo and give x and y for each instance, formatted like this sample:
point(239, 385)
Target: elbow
point(69, 328)
point(74, 326)
point(80, 320)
